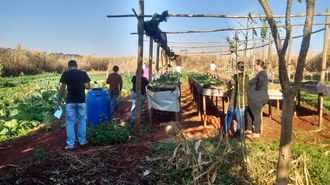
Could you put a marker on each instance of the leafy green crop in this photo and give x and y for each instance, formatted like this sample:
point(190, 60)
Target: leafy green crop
point(206, 81)
point(107, 133)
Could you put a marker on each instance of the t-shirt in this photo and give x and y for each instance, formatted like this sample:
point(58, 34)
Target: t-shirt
point(213, 67)
point(144, 83)
point(114, 80)
point(258, 87)
point(75, 81)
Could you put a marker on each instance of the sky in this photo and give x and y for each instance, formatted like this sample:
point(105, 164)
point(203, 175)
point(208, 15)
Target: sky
point(82, 27)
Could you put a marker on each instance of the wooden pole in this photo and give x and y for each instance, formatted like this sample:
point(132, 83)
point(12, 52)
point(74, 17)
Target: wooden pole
point(139, 68)
point(324, 64)
point(151, 43)
point(270, 55)
point(219, 16)
point(253, 55)
point(228, 29)
point(157, 59)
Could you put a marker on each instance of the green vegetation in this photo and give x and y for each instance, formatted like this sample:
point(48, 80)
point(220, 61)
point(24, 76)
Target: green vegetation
point(311, 99)
point(207, 81)
point(167, 80)
point(28, 101)
point(107, 133)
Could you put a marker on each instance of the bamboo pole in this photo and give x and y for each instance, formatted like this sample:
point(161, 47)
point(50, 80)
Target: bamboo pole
point(270, 55)
point(150, 58)
point(219, 16)
point(324, 64)
point(157, 59)
point(162, 60)
point(151, 43)
point(254, 53)
point(139, 68)
point(231, 29)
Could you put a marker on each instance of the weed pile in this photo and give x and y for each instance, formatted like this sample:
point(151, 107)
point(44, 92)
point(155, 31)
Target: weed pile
point(210, 161)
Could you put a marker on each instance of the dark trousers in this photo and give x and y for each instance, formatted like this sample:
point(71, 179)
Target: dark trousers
point(253, 114)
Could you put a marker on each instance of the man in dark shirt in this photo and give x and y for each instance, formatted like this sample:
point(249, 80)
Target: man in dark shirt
point(116, 83)
point(76, 82)
point(144, 83)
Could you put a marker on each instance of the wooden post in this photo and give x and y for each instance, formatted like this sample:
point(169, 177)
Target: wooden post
point(204, 109)
point(162, 60)
point(151, 44)
point(139, 68)
point(270, 55)
point(253, 55)
point(324, 65)
point(157, 59)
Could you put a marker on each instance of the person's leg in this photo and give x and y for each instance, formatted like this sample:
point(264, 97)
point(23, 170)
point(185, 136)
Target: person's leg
point(70, 121)
point(113, 98)
point(133, 109)
point(81, 113)
point(256, 112)
point(228, 119)
point(249, 118)
point(239, 113)
point(143, 99)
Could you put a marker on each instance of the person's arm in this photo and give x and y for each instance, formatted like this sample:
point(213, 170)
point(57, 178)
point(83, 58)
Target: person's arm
point(87, 81)
point(60, 94)
point(88, 85)
point(120, 84)
point(108, 80)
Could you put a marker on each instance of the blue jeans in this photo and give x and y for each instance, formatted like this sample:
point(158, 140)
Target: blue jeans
point(75, 111)
point(239, 114)
point(113, 99)
point(133, 108)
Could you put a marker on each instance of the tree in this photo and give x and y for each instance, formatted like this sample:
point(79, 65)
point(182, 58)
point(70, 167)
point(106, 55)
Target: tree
point(289, 92)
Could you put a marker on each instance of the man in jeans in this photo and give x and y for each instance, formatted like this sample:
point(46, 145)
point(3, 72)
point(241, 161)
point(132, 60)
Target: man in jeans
point(144, 83)
point(75, 81)
point(116, 83)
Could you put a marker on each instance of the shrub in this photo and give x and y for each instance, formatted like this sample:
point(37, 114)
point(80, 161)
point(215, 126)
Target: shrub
point(107, 133)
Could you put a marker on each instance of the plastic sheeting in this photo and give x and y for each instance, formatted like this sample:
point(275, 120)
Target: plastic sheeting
point(164, 100)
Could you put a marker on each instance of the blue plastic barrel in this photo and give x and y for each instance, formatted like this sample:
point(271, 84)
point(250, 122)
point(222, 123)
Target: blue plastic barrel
point(98, 106)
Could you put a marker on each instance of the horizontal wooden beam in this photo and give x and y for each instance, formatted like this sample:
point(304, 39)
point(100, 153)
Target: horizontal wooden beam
point(219, 16)
point(232, 29)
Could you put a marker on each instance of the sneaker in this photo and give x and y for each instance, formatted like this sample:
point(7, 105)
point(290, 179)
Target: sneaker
point(70, 147)
point(248, 132)
point(255, 136)
point(84, 144)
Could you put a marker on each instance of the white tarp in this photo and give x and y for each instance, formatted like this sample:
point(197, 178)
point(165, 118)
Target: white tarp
point(164, 100)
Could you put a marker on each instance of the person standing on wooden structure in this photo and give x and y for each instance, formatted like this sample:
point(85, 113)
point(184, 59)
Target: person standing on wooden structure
point(115, 86)
point(257, 98)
